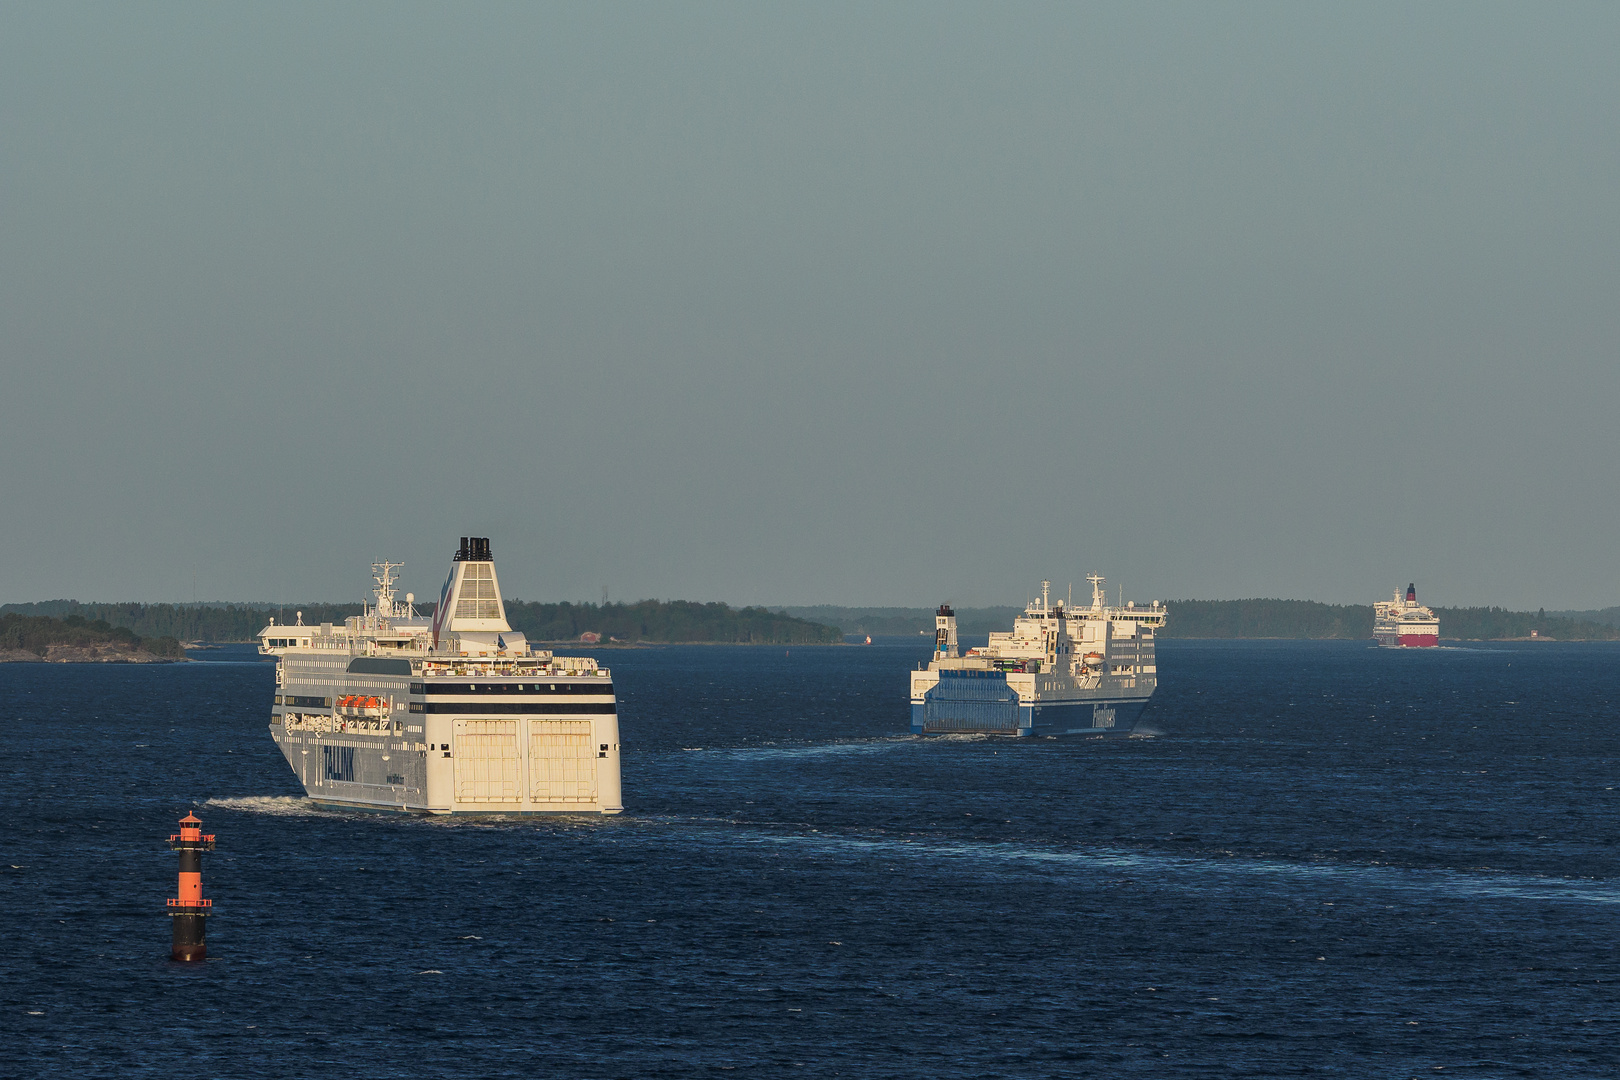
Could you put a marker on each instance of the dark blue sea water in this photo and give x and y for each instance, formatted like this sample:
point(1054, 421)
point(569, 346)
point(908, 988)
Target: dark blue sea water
point(1331, 860)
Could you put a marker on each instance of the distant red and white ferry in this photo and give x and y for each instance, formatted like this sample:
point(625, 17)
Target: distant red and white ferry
point(1399, 623)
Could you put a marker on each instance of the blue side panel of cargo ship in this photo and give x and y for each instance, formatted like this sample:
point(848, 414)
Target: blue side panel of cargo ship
point(978, 701)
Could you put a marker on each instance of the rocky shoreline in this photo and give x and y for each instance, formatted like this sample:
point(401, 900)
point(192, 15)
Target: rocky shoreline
point(100, 653)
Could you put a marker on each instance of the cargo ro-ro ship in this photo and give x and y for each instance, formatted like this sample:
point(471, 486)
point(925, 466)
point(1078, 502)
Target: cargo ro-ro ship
point(1060, 671)
point(1399, 623)
point(453, 714)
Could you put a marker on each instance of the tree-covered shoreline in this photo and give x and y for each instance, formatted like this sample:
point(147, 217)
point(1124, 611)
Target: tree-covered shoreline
point(666, 621)
point(39, 635)
point(651, 621)
point(1254, 618)
point(1261, 618)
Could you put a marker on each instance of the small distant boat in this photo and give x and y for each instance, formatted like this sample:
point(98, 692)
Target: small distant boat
point(869, 639)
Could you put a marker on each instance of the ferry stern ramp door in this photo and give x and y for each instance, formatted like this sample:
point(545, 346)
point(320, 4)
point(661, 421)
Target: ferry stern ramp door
point(534, 765)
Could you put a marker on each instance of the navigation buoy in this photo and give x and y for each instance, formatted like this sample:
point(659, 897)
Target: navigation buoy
point(189, 910)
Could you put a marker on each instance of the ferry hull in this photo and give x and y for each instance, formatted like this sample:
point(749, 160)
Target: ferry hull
point(1105, 717)
point(1408, 641)
point(380, 776)
point(975, 702)
point(548, 776)
point(1116, 717)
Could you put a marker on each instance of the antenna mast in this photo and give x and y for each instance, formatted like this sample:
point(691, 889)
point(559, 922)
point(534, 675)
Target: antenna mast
point(383, 574)
point(1097, 598)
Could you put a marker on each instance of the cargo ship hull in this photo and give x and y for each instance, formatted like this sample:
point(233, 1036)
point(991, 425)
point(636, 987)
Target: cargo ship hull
point(949, 708)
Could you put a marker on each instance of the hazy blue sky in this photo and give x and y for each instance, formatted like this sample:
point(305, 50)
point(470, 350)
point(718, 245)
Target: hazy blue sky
point(794, 304)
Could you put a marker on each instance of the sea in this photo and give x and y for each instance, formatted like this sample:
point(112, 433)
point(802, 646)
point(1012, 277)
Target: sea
point(1318, 859)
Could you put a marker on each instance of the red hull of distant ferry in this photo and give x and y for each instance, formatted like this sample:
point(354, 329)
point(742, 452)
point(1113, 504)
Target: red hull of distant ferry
point(1408, 641)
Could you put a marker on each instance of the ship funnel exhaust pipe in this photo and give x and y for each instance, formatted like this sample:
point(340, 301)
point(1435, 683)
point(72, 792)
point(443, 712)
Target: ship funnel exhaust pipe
point(474, 549)
point(1411, 593)
point(945, 632)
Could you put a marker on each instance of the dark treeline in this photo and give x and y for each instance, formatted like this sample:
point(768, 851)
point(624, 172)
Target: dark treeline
point(1309, 619)
point(37, 633)
point(1267, 619)
point(1482, 624)
point(645, 620)
point(684, 620)
point(907, 621)
point(190, 622)
point(666, 621)
point(1609, 616)
point(1248, 619)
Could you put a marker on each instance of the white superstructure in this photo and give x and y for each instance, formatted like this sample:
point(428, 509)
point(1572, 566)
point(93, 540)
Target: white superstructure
point(449, 715)
point(1060, 670)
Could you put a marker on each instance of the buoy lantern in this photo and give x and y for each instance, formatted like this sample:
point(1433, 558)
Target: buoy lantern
point(189, 911)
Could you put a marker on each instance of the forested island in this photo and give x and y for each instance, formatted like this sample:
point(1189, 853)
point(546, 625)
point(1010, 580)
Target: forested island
point(77, 639)
point(651, 621)
point(188, 622)
point(910, 622)
point(1309, 619)
point(1251, 619)
point(667, 621)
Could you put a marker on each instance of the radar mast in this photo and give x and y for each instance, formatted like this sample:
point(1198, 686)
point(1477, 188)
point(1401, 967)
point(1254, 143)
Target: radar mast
point(383, 574)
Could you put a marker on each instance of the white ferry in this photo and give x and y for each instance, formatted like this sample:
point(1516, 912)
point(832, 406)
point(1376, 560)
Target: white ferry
point(1405, 624)
point(449, 715)
point(1061, 671)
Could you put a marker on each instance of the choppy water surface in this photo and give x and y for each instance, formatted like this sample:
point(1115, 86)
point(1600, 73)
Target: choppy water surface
point(1330, 860)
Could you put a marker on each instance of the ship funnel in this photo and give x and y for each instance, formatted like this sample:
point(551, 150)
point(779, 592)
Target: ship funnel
point(945, 632)
point(1411, 593)
point(470, 605)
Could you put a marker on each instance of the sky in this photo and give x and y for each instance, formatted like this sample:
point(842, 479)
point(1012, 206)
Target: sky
point(811, 303)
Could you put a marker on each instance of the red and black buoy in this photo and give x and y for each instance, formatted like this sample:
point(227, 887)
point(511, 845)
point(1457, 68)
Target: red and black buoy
point(189, 910)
